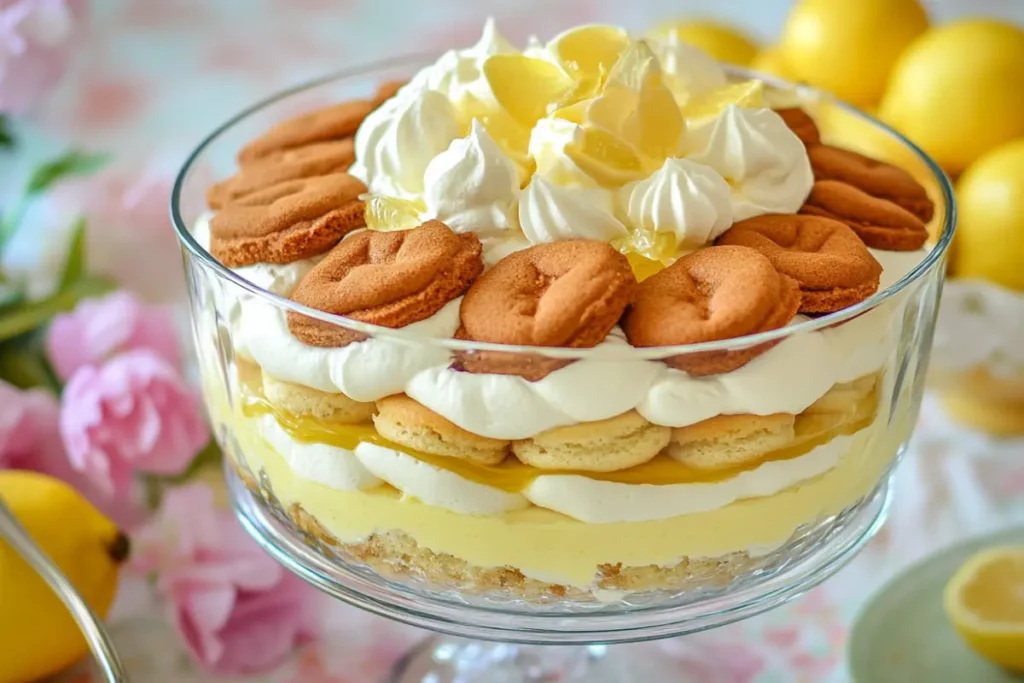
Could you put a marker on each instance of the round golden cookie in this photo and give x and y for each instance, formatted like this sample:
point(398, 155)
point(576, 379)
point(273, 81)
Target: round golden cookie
point(410, 424)
point(618, 443)
point(392, 279)
point(563, 294)
point(293, 220)
point(728, 441)
point(801, 124)
point(712, 294)
point(830, 263)
point(322, 158)
point(876, 178)
point(334, 122)
point(878, 222)
point(299, 400)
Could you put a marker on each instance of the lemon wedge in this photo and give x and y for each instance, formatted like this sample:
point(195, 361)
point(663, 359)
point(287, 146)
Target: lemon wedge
point(647, 251)
point(588, 53)
point(604, 157)
point(749, 94)
point(985, 602)
point(387, 214)
point(526, 87)
point(655, 126)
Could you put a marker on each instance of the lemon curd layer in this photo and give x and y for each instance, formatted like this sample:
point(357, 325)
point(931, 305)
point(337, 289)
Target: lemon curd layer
point(811, 431)
point(553, 547)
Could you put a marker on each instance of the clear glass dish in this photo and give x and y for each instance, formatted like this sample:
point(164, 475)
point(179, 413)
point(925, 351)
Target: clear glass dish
point(509, 552)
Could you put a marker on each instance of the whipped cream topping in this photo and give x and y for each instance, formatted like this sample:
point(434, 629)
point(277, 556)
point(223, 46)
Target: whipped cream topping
point(549, 212)
point(762, 159)
point(435, 486)
point(687, 199)
point(396, 143)
point(469, 183)
point(472, 186)
point(688, 70)
point(364, 370)
point(458, 74)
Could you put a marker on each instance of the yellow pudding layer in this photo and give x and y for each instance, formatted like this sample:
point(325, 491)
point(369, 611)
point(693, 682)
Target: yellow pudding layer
point(553, 547)
point(514, 476)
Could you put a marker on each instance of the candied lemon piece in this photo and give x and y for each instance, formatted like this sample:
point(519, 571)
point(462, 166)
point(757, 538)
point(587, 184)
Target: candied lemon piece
point(386, 214)
point(604, 157)
point(526, 87)
point(588, 54)
point(748, 94)
point(636, 106)
point(647, 251)
point(655, 127)
point(985, 601)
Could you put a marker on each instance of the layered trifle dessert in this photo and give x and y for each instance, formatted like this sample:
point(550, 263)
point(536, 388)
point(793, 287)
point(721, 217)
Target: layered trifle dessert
point(603, 323)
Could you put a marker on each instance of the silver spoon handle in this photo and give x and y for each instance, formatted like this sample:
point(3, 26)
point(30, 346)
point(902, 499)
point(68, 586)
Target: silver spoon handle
point(92, 628)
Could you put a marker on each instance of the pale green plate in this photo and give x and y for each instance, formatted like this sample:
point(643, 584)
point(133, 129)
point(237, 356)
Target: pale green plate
point(902, 634)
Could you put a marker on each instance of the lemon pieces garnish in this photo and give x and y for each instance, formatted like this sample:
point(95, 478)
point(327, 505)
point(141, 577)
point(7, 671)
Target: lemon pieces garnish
point(647, 251)
point(747, 94)
point(631, 127)
point(387, 214)
point(526, 87)
point(654, 126)
point(985, 601)
point(605, 157)
point(588, 54)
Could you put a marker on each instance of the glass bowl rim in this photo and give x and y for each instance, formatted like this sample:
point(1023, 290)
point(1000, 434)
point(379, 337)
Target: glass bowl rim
point(931, 260)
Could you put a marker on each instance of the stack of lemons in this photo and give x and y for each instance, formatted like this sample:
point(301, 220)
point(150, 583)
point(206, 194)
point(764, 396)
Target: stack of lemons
point(954, 89)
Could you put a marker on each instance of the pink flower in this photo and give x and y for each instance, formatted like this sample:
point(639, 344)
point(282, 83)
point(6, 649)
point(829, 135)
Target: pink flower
point(134, 413)
point(237, 609)
point(28, 421)
point(30, 440)
point(99, 328)
point(35, 41)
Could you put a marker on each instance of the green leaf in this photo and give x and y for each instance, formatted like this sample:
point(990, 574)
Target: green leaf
point(72, 163)
point(23, 363)
point(6, 135)
point(33, 315)
point(10, 296)
point(74, 266)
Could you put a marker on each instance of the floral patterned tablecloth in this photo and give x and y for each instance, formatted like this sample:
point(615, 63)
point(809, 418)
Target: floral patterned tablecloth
point(151, 77)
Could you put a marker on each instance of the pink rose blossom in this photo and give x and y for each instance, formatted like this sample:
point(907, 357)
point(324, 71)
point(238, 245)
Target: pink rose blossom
point(35, 42)
point(30, 440)
point(135, 413)
point(237, 609)
point(99, 328)
point(28, 422)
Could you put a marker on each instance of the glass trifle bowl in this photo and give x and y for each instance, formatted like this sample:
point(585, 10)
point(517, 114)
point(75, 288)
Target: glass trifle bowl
point(532, 435)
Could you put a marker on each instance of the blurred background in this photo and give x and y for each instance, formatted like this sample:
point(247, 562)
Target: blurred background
point(102, 100)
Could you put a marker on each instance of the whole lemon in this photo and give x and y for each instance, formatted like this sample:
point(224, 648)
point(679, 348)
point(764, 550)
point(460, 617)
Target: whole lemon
point(848, 47)
point(38, 636)
point(723, 42)
point(958, 91)
point(770, 61)
point(990, 231)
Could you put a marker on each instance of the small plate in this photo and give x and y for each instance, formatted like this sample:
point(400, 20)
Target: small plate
point(902, 635)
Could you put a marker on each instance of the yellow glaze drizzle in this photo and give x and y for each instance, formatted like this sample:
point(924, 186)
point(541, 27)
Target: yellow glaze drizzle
point(513, 476)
